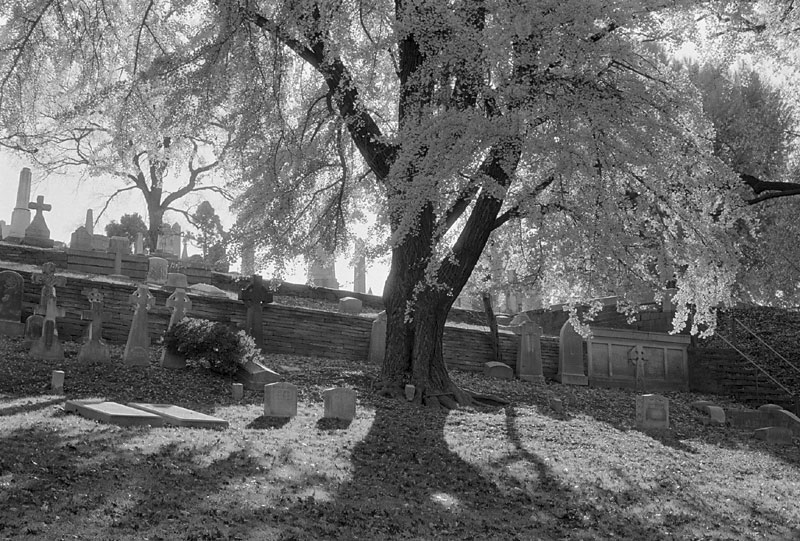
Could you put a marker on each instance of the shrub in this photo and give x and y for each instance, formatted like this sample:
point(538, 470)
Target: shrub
point(212, 345)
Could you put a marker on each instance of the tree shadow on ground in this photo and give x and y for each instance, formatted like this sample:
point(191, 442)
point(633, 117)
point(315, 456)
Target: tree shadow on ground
point(264, 422)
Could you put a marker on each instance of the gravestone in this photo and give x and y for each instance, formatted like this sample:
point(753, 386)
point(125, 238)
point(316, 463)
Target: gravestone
point(179, 303)
point(136, 349)
point(775, 434)
point(157, 270)
point(184, 252)
point(48, 346)
point(494, 369)
point(4, 228)
point(94, 349)
point(119, 246)
point(529, 353)
point(81, 240)
point(173, 244)
point(652, 412)
point(637, 358)
point(350, 305)
point(280, 400)
point(37, 232)
point(340, 403)
point(138, 245)
point(255, 375)
point(377, 340)
point(208, 289)
point(177, 279)
point(112, 412)
point(11, 290)
point(716, 416)
point(178, 416)
point(254, 295)
point(570, 357)
point(21, 215)
point(360, 274)
point(57, 381)
point(322, 271)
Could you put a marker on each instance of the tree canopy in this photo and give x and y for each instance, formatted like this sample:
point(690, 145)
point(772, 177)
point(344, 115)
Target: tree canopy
point(449, 120)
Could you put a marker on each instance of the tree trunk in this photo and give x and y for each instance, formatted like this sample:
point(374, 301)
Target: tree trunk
point(155, 218)
point(494, 336)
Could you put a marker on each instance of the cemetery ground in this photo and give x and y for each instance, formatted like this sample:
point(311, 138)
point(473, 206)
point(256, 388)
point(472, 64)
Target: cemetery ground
point(522, 471)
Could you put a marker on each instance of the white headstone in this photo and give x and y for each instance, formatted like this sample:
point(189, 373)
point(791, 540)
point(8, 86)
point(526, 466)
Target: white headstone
point(340, 403)
point(377, 340)
point(570, 358)
point(652, 411)
point(21, 215)
point(280, 400)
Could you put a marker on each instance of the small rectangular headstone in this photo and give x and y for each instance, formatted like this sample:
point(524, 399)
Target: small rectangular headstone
point(350, 305)
point(280, 400)
point(57, 381)
point(340, 403)
point(774, 434)
point(652, 411)
point(178, 416)
point(410, 391)
point(498, 370)
point(237, 389)
point(111, 412)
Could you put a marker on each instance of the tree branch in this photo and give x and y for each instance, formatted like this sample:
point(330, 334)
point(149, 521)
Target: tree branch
point(514, 211)
point(112, 196)
point(774, 189)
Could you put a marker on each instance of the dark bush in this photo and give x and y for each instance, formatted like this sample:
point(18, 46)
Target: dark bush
point(211, 345)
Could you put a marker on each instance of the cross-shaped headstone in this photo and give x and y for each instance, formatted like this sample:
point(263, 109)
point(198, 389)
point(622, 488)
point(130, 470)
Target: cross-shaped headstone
point(48, 346)
point(180, 304)
point(637, 358)
point(94, 349)
point(254, 295)
point(39, 205)
point(136, 349)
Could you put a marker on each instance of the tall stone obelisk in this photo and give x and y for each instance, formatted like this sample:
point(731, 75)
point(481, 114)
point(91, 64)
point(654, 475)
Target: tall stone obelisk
point(21, 216)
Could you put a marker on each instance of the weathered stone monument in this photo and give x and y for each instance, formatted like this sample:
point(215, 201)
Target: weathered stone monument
point(136, 349)
point(280, 400)
point(494, 369)
point(157, 270)
point(570, 357)
point(83, 236)
point(11, 291)
point(4, 228)
point(340, 403)
point(360, 274)
point(139, 244)
point(37, 233)
point(377, 340)
point(322, 271)
point(21, 215)
point(179, 303)
point(119, 246)
point(94, 349)
point(255, 295)
point(652, 412)
point(529, 354)
point(48, 347)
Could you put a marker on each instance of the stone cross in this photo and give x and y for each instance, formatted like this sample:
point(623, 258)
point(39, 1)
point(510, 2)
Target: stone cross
point(136, 349)
point(254, 295)
point(37, 233)
point(48, 347)
point(39, 206)
point(94, 349)
point(637, 359)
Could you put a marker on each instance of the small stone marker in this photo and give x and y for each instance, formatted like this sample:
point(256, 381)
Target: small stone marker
point(11, 290)
point(716, 416)
point(37, 233)
point(340, 403)
point(350, 305)
point(48, 347)
point(237, 390)
point(178, 416)
point(95, 349)
point(701, 405)
point(769, 408)
point(377, 340)
point(774, 434)
point(280, 400)
point(494, 369)
point(652, 412)
point(255, 375)
point(157, 270)
point(410, 391)
point(255, 295)
point(136, 349)
point(570, 357)
point(529, 354)
point(139, 244)
point(111, 412)
point(557, 405)
point(637, 358)
point(177, 279)
point(57, 381)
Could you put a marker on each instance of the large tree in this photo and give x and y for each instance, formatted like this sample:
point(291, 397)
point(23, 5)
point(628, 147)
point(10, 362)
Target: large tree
point(454, 118)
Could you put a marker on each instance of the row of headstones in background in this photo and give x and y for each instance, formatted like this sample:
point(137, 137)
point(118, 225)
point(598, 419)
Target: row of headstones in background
point(280, 400)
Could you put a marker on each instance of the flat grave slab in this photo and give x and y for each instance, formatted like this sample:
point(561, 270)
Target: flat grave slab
point(178, 416)
point(111, 412)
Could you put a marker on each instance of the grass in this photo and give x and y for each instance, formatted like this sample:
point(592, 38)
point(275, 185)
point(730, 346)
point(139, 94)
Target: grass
point(395, 472)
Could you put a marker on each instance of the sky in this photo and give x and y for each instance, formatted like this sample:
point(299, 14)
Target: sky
point(70, 197)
